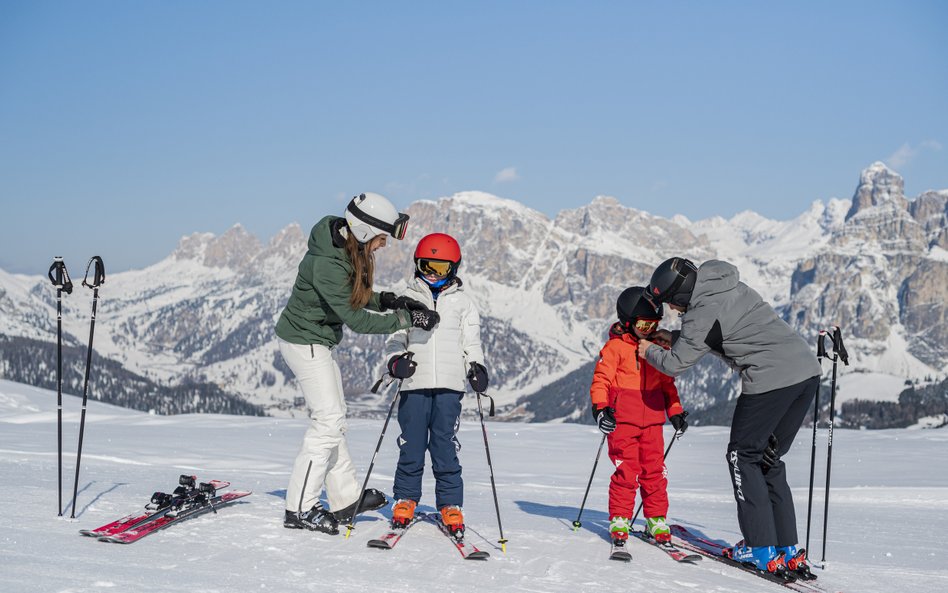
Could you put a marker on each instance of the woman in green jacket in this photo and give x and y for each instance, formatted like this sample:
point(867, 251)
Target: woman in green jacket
point(334, 288)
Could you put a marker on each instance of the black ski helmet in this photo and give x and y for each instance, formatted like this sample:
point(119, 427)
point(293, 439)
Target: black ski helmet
point(632, 305)
point(672, 282)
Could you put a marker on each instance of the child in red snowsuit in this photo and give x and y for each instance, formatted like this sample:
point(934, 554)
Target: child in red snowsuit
point(630, 401)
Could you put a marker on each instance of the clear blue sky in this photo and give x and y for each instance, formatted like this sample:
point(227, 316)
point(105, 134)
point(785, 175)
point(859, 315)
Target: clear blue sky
point(125, 125)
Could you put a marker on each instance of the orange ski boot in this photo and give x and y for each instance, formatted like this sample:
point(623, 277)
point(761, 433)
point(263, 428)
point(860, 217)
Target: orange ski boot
point(403, 513)
point(453, 519)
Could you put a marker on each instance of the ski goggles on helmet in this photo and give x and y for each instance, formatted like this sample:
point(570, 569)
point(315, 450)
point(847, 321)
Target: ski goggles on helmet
point(396, 229)
point(433, 267)
point(646, 326)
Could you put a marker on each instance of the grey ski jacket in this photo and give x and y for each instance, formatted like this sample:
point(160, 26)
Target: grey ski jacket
point(729, 319)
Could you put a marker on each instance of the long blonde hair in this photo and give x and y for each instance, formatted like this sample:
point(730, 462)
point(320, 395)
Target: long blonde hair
point(363, 271)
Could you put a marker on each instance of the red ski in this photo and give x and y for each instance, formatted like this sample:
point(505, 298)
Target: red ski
point(192, 508)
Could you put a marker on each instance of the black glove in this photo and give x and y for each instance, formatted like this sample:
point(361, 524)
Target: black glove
point(679, 422)
point(606, 419)
point(425, 319)
point(477, 377)
point(770, 458)
point(389, 301)
point(402, 366)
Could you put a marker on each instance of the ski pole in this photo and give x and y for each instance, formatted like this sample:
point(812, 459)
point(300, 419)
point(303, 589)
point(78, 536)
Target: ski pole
point(839, 353)
point(502, 541)
point(820, 355)
point(98, 279)
point(675, 437)
point(59, 276)
point(577, 524)
point(378, 446)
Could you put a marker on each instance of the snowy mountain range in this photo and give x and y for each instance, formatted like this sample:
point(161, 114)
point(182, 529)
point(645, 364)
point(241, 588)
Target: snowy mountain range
point(876, 265)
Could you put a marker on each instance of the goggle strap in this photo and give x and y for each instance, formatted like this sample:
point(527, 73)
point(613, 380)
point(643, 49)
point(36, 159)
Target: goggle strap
point(396, 230)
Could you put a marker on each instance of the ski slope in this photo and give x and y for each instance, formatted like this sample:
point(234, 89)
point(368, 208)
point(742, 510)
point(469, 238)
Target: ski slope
point(888, 511)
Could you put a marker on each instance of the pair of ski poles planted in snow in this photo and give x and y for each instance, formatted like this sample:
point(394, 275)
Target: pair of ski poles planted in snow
point(839, 353)
point(480, 410)
point(577, 523)
point(59, 276)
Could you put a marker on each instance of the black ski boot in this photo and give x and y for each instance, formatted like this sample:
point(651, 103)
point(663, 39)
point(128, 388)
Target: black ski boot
point(371, 500)
point(315, 519)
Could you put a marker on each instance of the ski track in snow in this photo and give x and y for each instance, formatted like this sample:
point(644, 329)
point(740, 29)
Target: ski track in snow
point(888, 522)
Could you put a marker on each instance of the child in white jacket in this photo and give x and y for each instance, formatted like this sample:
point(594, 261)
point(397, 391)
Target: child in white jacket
point(433, 366)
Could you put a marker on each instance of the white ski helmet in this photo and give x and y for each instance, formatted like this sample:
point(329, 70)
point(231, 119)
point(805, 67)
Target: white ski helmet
point(371, 214)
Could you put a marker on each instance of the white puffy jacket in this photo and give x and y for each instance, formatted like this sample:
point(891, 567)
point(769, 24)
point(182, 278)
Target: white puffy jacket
point(443, 354)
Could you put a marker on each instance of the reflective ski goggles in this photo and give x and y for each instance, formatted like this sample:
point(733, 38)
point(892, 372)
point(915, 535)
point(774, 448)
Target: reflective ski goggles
point(646, 326)
point(433, 267)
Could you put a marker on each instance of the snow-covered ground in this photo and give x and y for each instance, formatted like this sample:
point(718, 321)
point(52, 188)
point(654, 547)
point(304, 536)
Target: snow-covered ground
point(888, 510)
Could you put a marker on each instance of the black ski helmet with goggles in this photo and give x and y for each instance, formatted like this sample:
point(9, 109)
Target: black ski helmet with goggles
point(632, 306)
point(672, 282)
point(371, 214)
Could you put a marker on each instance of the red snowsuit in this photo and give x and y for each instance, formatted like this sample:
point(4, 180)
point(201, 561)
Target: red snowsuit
point(642, 397)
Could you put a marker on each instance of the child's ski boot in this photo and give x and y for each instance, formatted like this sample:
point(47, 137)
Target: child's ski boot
point(403, 513)
point(453, 519)
point(658, 529)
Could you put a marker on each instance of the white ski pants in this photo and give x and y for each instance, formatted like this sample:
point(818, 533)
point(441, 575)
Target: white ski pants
point(324, 457)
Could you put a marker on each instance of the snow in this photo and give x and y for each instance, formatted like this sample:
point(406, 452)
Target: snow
point(888, 513)
point(878, 387)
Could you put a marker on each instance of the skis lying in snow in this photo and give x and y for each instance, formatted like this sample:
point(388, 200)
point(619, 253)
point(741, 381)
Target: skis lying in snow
point(467, 551)
point(187, 501)
point(669, 548)
point(160, 504)
point(388, 540)
point(716, 551)
point(618, 551)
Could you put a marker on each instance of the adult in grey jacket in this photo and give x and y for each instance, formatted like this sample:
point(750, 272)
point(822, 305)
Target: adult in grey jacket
point(779, 378)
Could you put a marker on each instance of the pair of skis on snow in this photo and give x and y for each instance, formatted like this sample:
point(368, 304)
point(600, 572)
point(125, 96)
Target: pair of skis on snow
point(620, 553)
point(394, 535)
point(188, 500)
point(691, 542)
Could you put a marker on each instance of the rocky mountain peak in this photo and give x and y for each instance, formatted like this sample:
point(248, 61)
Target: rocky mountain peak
point(878, 186)
point(234, 249)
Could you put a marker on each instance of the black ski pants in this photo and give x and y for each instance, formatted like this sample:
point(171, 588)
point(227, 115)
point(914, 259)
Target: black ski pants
point(764, 502)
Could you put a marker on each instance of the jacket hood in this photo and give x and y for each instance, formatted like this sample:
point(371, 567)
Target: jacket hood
point(715, 276)
point(321, 239)
point(617, 332)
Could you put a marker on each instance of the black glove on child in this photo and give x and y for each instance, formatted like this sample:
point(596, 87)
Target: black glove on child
point(605, 419)
point(402, 366)
point(477, 377)
point(770, 458)
point(389, 301)
point(424, 319)
point(679, 422)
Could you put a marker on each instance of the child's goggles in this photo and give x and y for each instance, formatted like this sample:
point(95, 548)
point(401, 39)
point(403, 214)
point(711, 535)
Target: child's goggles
point(434, 267)
point(646, 326)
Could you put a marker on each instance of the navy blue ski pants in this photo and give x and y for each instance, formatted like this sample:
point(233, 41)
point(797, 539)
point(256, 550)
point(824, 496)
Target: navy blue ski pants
point(429, 419)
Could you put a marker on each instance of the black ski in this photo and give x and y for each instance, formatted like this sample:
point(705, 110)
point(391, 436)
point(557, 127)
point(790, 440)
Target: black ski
point(716, 551)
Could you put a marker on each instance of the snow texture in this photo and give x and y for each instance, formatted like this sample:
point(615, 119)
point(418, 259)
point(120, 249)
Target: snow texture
point(888, 513)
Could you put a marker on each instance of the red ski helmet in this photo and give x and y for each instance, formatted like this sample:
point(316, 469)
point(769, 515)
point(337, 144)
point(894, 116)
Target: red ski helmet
point(437, 254)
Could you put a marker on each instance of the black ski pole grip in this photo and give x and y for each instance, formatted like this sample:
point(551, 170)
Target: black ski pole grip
point(820, 345)
point(838, 348)
point(61, 279)
point(98, 275)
